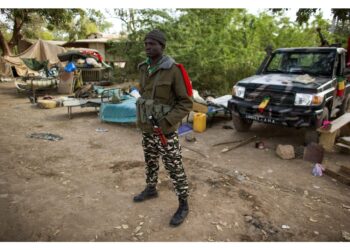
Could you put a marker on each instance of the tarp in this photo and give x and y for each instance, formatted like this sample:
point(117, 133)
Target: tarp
point(123, 112)
point(41, 51)
point(5, 68)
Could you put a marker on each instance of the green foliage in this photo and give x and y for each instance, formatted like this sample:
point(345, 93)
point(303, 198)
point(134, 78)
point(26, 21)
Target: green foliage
point(45, 35)
point(218, 47)
point(58, 24)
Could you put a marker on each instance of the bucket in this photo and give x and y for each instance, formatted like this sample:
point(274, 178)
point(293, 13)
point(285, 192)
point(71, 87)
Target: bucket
point(199, 122)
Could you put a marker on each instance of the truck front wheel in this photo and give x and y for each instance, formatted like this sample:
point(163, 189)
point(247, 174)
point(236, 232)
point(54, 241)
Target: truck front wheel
point(241, 125)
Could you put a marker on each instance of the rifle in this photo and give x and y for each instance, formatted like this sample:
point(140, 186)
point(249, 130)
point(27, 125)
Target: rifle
point(158, 130)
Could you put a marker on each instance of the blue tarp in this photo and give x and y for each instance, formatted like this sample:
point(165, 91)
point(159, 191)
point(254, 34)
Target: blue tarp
point(124, 112)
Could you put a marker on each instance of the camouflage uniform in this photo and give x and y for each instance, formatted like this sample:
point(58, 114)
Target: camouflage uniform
point(172, 160)
point(165, 87)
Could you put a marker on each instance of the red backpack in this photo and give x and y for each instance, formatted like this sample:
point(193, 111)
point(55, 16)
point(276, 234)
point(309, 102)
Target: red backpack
point(186, 79)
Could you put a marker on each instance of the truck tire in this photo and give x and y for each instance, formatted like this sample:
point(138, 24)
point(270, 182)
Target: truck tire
point(241, 125)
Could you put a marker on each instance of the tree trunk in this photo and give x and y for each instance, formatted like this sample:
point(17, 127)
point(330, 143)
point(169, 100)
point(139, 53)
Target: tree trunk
point(4, 46)
point(16, 35)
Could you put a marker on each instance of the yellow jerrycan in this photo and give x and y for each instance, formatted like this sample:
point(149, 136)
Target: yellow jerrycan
point(199, 122)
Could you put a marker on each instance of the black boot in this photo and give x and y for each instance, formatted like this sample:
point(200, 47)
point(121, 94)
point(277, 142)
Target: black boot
point(180, 214)
point(148, 193)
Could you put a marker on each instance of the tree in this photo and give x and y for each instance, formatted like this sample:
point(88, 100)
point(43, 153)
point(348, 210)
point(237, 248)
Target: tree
point(15, 19)
point(47, 24)
point(218, 47)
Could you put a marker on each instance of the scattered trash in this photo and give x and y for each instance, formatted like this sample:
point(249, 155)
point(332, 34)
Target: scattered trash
point(134, 92)
point(346, 206)
point(309, 206)
point(259, 145)
point(196, 151)
point(137, 229)
point(326, 124)
point(124, 226)
point(47, 97)
point(101, 130)
point(316, 232)
point(346, 235)
point(219, 228)
point(227, 142)
point(190, 138)
point(70, 67)
point(286, 152)
point(317, 187)
point(185, 129)
point(46, 136)
point(285, 227)
point(313, 220)
point(317, 170)
point(240, 177)
point(242, 143)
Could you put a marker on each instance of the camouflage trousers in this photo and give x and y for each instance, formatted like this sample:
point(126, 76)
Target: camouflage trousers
point(172, 160)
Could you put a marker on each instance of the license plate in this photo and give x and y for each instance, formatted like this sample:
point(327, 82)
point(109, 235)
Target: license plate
point(260, 118)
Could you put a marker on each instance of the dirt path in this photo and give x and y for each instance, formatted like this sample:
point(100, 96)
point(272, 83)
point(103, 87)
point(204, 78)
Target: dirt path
point(81, 188)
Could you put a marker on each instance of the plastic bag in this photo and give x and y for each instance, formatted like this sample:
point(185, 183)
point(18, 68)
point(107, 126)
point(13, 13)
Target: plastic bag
point(317, 170)
point(70, 67)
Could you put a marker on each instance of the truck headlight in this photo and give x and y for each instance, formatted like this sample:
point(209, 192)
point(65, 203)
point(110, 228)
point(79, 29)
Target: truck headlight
point(307, 99)
point(238, 91)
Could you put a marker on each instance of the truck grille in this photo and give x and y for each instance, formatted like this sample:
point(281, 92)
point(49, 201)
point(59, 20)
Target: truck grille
point(276, 98)
point(94, 75)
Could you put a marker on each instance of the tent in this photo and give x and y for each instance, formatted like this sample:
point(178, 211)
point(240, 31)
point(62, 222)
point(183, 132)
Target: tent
point(41, 51)
point(5, 68)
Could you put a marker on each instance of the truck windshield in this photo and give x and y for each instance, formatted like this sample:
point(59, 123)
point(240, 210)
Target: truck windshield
point(313, 63)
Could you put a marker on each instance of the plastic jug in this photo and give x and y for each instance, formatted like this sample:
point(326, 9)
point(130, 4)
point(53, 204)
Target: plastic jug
point(199, 122)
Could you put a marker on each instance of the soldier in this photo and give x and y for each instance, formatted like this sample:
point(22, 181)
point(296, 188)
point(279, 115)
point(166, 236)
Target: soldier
point(164, 96)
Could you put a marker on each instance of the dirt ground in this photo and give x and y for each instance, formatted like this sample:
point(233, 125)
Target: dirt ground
point(81, 187)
